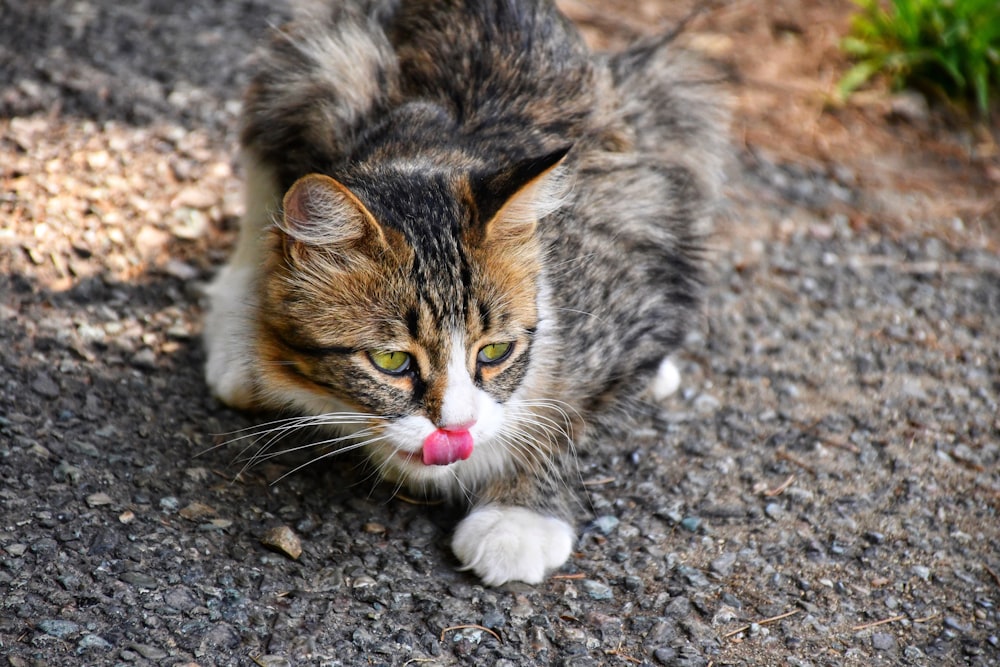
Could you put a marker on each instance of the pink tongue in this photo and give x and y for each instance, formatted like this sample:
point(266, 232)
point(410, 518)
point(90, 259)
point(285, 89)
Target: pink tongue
point(443, 447)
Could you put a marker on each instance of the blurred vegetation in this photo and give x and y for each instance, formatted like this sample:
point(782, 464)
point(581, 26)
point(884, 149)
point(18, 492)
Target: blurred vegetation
point(949, 49)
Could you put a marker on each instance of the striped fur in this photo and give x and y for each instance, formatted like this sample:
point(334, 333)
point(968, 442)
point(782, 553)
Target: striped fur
point(451, 179)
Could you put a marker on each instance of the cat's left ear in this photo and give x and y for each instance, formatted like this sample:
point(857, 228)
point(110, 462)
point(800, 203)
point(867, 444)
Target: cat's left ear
point(511, 202)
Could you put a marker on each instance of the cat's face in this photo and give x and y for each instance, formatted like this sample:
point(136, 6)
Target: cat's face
point(417, 310)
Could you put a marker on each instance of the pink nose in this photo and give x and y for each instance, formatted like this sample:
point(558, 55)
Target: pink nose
point(445, 446)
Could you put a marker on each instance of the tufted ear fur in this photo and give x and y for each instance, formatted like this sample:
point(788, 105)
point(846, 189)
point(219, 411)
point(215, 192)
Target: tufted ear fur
point(320, 213)
point(512, 201)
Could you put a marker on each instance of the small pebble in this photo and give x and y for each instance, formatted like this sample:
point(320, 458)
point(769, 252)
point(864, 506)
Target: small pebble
point(180, 270)
point(169, 503)
point(45, 386)
point(58, 627)
point(195, 197)
point(723, 565)
point(706, 403)
point(144, 359)
point(597, 590)
point(16, 550)
point(149, 652)
point(98, 499)
point(273, 661)
point(139, 580)
point(493, 619)
point(693, 575)
point(606, 524)
point(954, 624)
point(92, 642)
point(665, 655)
point(883, 641)
point(196, 511)
point(283, 540)
point(691, 523)
point(774, 511)
point(64, 472)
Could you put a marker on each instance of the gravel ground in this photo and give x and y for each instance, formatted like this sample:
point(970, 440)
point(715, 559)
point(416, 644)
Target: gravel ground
point(824, 490)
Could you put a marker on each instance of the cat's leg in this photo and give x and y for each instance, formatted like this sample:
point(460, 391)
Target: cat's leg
point(230, 321)
point(666, 381)
point(517, 532)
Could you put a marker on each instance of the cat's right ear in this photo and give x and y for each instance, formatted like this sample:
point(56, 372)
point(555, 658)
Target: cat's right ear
point(319, 212)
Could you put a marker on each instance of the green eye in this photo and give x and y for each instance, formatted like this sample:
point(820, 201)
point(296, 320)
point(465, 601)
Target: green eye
point(494, 352)
point(394, 363)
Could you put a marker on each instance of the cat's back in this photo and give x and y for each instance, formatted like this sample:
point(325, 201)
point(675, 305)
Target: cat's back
point(514, 77)
point(476, 55)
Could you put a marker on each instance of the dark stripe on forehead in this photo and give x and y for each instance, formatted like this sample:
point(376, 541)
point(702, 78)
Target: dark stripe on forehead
point(413, 323)
point(485, 316)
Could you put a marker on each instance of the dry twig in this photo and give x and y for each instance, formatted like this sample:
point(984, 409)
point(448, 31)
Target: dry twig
point(470, 626)
point(418, 501)
point(778, 490)
point(766, 621)
point(785, 456)
point(865, 626)
point(618, 652)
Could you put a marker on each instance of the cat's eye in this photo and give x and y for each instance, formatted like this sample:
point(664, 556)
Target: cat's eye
point(394, 363)
point(494, 353)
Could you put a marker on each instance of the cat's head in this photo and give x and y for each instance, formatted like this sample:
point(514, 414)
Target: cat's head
point(411, 296)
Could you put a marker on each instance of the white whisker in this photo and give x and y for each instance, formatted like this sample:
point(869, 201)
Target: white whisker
point(356, 445)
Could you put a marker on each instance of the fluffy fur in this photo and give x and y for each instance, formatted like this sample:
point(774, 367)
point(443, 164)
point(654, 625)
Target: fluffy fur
point(464, 227)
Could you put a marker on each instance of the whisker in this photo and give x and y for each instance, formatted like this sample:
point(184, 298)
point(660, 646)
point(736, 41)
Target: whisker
point(310, 462)
point(260, 456)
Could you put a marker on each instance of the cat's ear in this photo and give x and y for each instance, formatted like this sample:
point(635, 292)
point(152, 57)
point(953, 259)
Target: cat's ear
point(320, 212)
point(512, 201)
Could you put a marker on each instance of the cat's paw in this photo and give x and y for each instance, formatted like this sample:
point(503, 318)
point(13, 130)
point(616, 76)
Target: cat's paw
point(502, 544)
point(226, 334)
point(667, 380)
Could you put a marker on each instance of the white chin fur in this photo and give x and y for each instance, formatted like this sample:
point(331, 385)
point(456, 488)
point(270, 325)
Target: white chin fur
point(501, 544)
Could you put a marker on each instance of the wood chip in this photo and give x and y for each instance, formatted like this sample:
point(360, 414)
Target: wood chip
point(196, 511)
point(283, 540)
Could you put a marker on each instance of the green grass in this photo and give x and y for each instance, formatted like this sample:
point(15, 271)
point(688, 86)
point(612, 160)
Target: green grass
point(944, 48)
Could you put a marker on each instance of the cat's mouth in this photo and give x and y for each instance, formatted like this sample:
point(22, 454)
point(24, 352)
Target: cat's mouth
point(444, 447)
point(441, 448)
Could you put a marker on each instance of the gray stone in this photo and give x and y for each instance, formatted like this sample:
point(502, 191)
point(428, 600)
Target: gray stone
point(45, 386)
point(58, 628)
point(597, 590)
point(883, 641)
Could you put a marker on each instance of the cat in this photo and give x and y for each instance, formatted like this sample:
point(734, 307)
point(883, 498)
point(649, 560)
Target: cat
point(468, 243)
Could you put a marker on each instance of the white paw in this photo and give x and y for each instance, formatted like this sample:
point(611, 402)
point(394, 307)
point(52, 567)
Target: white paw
point(502, 544)
point(227, 335)
point(667, 380)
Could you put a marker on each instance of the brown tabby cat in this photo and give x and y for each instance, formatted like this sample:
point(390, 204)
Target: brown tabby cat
point(467, 241)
